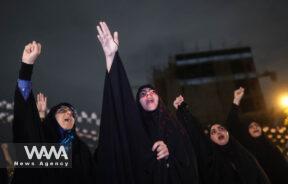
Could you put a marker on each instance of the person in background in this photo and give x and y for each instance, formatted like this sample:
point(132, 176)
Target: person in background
point(221, 158)
point(251, 136)
point(58, 127)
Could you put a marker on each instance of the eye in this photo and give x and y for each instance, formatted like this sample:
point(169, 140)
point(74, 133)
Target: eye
point(142, 94)
point(152, 92)
point(221, 129)
point(212, 132)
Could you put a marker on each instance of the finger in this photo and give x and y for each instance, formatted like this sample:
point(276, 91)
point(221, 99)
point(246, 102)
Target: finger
point(156, 144)
point(28, 48)
point(39, 48)
point(38, 97)
point(161, 148)
point(100, 32)
point(164, 155)
point(42, 97)
point(116, 38)
point(105, 28)
point(100, 39)
point(34, 46)
point(163, 152)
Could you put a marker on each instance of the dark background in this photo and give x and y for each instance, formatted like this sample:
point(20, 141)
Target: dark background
point(71, 67)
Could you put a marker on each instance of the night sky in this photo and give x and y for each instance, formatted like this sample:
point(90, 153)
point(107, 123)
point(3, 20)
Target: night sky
point(72, 67)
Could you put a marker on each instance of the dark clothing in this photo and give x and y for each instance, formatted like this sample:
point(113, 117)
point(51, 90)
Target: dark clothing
point(226, 164)
point(267, 154)
point(125, 143)
point(4, 176)
point(28, 128)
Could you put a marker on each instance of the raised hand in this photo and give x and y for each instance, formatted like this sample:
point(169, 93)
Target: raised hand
point(178, 101)
point(238, 95)
point(162, 150)
point(31, 52)
point(108, 42)
point(41, 105)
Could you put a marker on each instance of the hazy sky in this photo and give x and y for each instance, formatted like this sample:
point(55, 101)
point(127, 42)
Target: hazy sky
point(71, 67)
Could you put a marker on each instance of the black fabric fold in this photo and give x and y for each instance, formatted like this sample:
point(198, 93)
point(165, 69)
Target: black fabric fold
point(25, 72)
point(267, 154)
point(227, 164)
point(28, 128)
point(124, 154)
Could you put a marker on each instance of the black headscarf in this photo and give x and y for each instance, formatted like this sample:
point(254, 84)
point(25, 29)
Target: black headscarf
point(53, 131)
point(267, 154)
point(82, 162)
point(160, 124)
point(232, 163)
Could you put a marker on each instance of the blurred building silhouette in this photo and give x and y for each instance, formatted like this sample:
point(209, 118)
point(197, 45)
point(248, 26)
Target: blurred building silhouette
point(207, 80)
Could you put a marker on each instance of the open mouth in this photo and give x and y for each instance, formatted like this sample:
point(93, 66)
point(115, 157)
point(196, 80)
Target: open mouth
point(150, 101)
point(221, 137)
point(256, 131)
point(67, 120)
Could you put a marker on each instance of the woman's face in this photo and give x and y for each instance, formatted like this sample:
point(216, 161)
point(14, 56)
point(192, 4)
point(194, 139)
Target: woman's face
point(148, 99)
point(219, 135)
point(255, 130)
point(65, 118)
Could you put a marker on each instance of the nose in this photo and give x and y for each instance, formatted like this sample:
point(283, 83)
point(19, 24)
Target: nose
point(69, 113)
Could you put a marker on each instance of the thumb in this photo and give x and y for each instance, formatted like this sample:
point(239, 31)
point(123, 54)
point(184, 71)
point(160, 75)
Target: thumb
point(116, 38)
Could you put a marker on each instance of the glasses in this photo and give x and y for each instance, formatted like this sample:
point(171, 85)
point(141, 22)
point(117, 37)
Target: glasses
point(145, 93)
point(219, 129)
point(64, 109)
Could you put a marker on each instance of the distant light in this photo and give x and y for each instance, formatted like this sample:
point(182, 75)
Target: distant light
point(284, 101)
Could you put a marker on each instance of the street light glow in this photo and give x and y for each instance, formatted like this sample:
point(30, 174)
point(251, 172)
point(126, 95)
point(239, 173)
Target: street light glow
point(284, 101)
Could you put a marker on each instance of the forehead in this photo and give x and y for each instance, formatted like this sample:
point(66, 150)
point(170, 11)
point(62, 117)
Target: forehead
point(145, 90)
point(63, 108)
point(216, 126)
point(254, 124)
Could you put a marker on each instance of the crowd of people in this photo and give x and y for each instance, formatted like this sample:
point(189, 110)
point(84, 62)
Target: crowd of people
point(140, 140)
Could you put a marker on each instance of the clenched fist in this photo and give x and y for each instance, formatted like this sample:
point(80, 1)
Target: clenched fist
point(178, 101)
point(238, 95)
point(31, 52)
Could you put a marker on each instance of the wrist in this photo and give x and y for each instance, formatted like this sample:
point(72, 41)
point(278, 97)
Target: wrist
point(25, 72)
point(236, 101)
point(42, 115)
point(109, 61)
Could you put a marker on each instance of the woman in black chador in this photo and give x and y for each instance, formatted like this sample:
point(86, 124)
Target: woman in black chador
point(221, 159)
point(250, 135)
point(58, 127)
point(140, 142)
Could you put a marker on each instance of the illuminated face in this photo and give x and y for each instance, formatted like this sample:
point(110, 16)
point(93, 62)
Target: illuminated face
point(255, 129)
point(219, 135)
point(65, 118)
point(148, 99)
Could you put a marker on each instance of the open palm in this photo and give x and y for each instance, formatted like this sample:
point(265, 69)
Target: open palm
point(109, 43)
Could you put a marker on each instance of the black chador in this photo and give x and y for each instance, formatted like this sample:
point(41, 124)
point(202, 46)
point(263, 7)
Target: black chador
point(226, 164)
point(125, 153)
point(28, 128)
point(267, 154)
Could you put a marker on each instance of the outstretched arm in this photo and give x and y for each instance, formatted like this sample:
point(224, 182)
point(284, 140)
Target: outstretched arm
point(233, 116)
point(25, 129)
point(108, 42)
point(193, 127)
